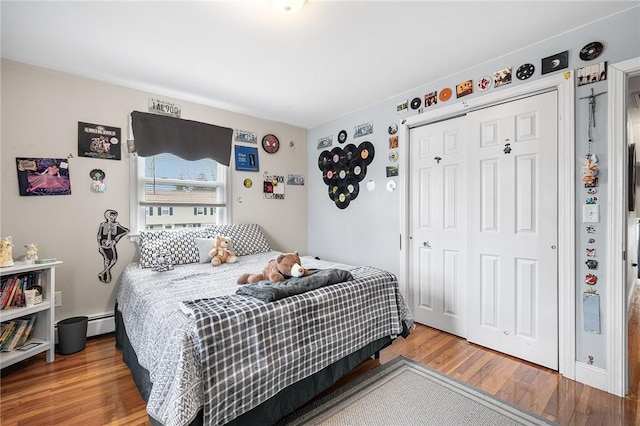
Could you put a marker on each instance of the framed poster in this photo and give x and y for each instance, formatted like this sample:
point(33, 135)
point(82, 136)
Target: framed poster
point(98, 141)
point(43, 176)
point(246, 158)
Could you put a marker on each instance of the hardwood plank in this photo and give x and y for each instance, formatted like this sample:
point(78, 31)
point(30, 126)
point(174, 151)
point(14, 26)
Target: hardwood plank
point(94, 386)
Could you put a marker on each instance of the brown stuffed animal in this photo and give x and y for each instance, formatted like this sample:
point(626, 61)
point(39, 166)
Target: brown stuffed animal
point(220, 253)
point(286, 265)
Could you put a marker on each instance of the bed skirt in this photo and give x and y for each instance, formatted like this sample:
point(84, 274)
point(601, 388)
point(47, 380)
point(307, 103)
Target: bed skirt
point(273, 409)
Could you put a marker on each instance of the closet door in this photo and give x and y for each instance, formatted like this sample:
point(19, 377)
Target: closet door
point(438, 222)
point(512, 281)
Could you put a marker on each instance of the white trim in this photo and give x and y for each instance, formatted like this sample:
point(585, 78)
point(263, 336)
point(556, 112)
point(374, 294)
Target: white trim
point(564, 84)
point(592, 376)
point(616, 314)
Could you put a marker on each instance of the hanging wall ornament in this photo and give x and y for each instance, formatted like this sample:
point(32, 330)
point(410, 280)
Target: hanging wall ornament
point(97, 175)
point(109, 233)
point(590, 171)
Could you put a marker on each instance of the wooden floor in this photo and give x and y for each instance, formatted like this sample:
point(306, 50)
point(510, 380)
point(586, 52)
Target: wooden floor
point(94, 387)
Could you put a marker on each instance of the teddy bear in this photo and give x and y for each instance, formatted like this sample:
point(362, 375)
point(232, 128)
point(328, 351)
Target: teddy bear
point(286, 265)
point(6, 252)
point(32, 253)
point(220, 252)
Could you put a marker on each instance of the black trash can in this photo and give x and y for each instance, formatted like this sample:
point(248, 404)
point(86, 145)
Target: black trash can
point(72, 335)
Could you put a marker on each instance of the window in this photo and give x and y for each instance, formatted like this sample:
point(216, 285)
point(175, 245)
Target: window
point(175, 193)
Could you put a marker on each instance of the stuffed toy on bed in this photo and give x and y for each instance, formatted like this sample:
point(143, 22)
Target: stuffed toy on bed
point(220, 253)
point(286, 265)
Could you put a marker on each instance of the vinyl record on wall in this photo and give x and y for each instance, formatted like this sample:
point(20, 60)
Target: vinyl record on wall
point(350, 152)
point(366, 151)
point(337, 154)
point(352, 186)
point(342, 136)
point(343, 198)
point(358, 168)
point(324, 160)
point(591, 51)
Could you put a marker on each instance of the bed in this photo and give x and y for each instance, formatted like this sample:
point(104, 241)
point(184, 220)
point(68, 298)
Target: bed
point(202, 354)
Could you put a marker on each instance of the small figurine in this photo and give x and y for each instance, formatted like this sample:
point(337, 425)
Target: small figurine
point(32, 253)
point(6, 252)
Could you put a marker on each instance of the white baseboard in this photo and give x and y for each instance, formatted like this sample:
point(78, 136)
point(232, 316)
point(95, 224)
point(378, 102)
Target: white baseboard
point(101, 324)
point(593, 376)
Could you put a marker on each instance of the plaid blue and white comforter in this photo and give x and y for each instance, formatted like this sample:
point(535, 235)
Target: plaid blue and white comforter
point(188, 327)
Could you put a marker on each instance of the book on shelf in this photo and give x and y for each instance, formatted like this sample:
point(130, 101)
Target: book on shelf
point(27, 333)
point(16, 333)
point(21, 326)
point(7, 333)
point(13, 289)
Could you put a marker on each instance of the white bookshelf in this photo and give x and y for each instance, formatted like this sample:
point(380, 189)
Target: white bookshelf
point(43, 329)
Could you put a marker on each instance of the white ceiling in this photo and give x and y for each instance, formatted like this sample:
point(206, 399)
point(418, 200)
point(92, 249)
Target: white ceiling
point(328, 60)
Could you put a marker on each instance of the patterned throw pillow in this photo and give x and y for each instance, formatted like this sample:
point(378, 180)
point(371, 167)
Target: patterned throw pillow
point(181, 244)
point(246, 238)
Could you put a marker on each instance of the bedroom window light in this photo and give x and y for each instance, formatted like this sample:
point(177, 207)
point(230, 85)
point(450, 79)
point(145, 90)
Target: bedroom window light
point(169, 190)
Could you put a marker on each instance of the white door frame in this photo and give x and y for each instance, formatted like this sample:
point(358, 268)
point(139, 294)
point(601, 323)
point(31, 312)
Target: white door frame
point(565, 86)
point(616, 314)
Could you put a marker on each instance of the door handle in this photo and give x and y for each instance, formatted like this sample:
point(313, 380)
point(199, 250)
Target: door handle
point(426, 244)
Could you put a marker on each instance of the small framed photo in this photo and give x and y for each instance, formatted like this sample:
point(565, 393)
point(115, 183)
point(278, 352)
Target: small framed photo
point(246, 158)
point(43, 176)
point(465, 88)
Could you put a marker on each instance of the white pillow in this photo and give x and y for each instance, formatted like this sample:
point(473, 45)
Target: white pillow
point(205, 245)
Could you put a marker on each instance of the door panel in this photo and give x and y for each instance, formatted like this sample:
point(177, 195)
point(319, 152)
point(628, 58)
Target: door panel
point(513, 234)
point(438, 226)
point(483, 232)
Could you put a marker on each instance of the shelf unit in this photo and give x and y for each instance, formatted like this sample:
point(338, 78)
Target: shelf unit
point(43, 329)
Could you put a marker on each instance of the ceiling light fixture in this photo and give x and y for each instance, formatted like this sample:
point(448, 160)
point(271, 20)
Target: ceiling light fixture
point(288, 6)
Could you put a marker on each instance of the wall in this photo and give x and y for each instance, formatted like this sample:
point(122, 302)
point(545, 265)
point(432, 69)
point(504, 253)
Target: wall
point(40, 112)
point(372, 220)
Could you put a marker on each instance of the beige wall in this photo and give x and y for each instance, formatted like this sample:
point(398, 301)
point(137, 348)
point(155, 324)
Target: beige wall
point(40, 113)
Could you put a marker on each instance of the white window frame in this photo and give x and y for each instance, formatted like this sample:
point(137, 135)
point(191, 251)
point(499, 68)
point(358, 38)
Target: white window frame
point(137, 211)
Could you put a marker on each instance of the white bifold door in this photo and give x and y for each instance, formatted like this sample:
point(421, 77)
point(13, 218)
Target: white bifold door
point(484, 227)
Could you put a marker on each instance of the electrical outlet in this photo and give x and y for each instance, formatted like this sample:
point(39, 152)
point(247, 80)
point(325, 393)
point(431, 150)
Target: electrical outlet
point(58, 299)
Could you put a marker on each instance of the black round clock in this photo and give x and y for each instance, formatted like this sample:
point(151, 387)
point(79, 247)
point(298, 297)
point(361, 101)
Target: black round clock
point(270, 143)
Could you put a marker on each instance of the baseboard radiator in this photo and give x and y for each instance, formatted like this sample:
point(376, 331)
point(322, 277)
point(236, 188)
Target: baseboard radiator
point(98, 324)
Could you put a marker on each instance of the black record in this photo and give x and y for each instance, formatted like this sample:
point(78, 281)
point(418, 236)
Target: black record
point(350, 152)
point(352, 186)
point(342, 199)
point(591, 51)
point(337, 155)
point(415, 103)
point(343, 171)
point(333, 190)
point(324, 160)
point(525, 71)
point(357, 169)
point(330, 174)
point(366, 151)
point(342, 136)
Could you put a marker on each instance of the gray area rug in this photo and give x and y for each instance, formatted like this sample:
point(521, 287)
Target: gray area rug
point(404, 392)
